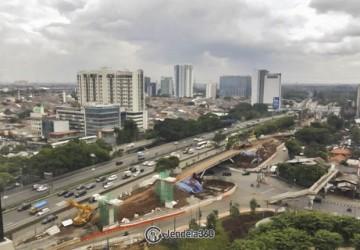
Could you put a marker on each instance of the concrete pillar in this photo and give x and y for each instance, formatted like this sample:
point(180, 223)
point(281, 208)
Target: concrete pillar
point(311, 201)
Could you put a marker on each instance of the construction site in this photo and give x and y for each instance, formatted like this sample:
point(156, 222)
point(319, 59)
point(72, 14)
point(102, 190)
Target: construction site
point(160, 195)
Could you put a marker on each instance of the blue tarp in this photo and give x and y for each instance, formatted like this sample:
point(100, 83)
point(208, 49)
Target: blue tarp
point(190, 186)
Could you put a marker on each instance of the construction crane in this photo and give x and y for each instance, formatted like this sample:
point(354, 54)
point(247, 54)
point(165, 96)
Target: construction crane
point(84, 214)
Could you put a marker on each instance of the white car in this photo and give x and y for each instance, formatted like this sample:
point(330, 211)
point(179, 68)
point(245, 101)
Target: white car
point(145, 163)
point(42, 188)
point(136, 173)
point(151, 163)
point(176, 142)
point(43, 211)
point(108, 184)
point(112, 177)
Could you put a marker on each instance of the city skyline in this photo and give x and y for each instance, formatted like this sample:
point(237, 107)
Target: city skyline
point(308, 41)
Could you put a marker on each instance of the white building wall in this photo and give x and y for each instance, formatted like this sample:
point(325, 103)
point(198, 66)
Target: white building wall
point(211, 90)
point(272, 88)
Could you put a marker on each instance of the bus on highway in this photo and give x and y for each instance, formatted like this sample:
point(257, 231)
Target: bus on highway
point(38, 206)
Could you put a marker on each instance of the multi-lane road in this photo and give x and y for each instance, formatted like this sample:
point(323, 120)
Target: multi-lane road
point(14, 219)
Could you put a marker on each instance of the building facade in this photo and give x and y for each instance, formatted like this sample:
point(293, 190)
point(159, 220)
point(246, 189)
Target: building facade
point(266, 88)
point(101, 117)
point(235, 86)
point(166, 86)
point(54, 126)
point(107, 86)
point(211, 89)
point(151, 89)
point(183, 80)
point(75, 116)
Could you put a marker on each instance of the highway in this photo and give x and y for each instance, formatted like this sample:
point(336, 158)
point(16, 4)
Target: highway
point(15, 197)
point(14, 219)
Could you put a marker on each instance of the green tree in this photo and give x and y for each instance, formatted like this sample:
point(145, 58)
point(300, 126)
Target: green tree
point(253, 205)
point(193, 225)
point(129, 133)
point(234, 210)
point(218, 137)
point(356, 241)
point(335, 122)
point(326, 240)
point(294, 147)
point(211, 221)
point(247, 244)
point(167, 163)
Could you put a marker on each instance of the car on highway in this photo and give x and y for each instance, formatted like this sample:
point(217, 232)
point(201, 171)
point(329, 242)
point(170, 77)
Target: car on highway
point(118, 163)
point(136, 173)
point(127, 174)
point(101, 179)
point(43, 211)
point(90, 186)
point(24, 206)
point(133, 169)
point(62, 193)
point(141, 170)
point(80, 193)
point(226, 174)
point(49, 219)
point(112, 177)
point(176, 142)
point(69, 194)
point(80, 187)
point(42, 188)
point(35, 186)
point(108, 184)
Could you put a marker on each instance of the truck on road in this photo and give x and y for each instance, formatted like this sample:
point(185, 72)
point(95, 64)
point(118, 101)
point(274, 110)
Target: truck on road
point(141, 155)
point(38, 206)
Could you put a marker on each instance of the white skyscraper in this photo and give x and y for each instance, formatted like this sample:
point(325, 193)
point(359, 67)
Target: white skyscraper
point(108, 86)
point(211, 90)
point(266, 88)
point(183, 80)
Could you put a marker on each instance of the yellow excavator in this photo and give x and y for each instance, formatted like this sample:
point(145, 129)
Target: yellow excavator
point(85, 211)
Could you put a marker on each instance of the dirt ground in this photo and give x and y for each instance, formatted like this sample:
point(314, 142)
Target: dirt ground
point(223, 185)
point(239, 227)
point(146, 200)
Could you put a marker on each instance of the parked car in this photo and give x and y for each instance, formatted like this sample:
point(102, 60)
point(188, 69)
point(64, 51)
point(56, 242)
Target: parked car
point(69, 194)
point(112, 177)
point(108, 184)
point(101, 179)
point(90, 186)
point(80, 187)
point(49, 219)
point(118, 163)
point(62, 193)
point(24, 206)
point(43, 211)
point(80, 193)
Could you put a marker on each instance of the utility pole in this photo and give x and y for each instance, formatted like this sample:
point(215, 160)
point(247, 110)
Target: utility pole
point(2, 236)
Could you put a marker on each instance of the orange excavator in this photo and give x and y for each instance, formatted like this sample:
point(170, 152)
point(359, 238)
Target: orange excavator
point(85, 211)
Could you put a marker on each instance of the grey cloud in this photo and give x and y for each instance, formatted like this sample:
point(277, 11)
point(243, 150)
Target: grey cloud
point(351, 7)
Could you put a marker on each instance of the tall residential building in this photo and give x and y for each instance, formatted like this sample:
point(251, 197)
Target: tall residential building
point(266, 88)
point(211, 90)
point(166, 86)
point(235, 86)
point(107, 86)
point(101, 117)
point(183, 80)
point(358, 102)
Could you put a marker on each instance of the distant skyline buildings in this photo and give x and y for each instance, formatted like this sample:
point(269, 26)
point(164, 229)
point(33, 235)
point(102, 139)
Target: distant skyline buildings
point(358, 102)
point(184, 81)
point(211, 90)
point(166, 86)
point(235, 85)
point(266, 88)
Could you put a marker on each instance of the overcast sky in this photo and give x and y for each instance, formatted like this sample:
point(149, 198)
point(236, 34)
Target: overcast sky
point(307, 41)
